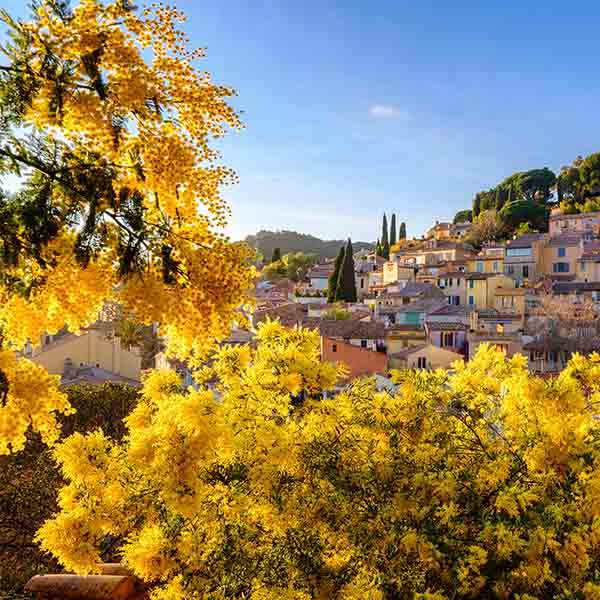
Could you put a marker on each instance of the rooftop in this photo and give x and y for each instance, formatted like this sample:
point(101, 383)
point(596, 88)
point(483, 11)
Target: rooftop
point(525, 241)
point(347, 329)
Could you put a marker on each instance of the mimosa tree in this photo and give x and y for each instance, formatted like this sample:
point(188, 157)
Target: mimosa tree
point(480, 484)
point(107, 121)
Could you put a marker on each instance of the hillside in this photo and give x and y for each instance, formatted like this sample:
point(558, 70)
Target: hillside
point(291, 241)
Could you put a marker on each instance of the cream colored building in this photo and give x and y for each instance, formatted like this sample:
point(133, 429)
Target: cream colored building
point(95, 347)
point(394, 271)
point(560, 254)
point(425, 356)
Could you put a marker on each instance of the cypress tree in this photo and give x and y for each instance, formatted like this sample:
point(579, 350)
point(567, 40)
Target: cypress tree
point(384, 232)
point(276, 255)
point(346, 284)
point(402, 235)
point(333, 278)
point(393, 230)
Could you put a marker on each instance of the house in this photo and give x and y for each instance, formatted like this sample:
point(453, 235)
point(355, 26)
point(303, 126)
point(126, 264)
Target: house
point(549, 354)
point(97, 347)
point(580, 223)
point(375, 280)
point(481, 288)
point(426, 356)
point(523, 258)
point(514, 301)
point(270, 293)
point(319, 275)
point(440, 231)
point(486, 264)
point(399, 337)
point(451, 335)
point(92, 375)
point(434, 252)
point(503, 331)
point(561, 253)
point(411, 292)
point(450, 313)
point(588, 264)
point(368, 335)
point(577, 289)
point(360, 361)
point(460, 230)
point(394, 271)
point(454, 286)
point(413, 313)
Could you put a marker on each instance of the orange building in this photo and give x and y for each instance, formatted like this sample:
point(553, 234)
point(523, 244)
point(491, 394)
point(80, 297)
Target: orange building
point(359, 361)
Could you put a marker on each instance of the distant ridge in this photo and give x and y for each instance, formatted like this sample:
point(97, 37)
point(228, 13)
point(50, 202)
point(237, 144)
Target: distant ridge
point(292, 241)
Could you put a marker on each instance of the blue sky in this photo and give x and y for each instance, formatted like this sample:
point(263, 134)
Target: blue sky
point(355, 108)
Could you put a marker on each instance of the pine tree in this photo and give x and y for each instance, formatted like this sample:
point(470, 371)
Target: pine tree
point(333, 278)
point(402, 234)
point(276, 255)
point(393, 238)
point(346, 284)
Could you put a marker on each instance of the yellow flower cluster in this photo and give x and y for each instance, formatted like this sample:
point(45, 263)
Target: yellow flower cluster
point(457, 486)
point(29, 397)
point(134, 104)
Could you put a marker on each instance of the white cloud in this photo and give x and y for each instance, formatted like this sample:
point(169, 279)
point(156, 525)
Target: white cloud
point(386, 111)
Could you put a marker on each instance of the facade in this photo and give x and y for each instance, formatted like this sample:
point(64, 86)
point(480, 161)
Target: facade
point(451, 335)
point(454, 287)
point(360, 361)
point(400, 337)
point(394, 271)
point(523, 258)
point(486, 264)
point(580, 223)
point(434, 252)
point(481, 288)
point(440, 231)
point(95, 347)
point(588, 264)
point(561, 254)
point(424, 357)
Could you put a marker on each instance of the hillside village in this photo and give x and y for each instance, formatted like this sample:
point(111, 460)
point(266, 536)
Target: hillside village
point(436, 300)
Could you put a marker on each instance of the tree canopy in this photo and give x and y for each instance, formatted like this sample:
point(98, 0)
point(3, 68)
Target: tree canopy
point(332, 282)
point(481, 483)
point(108, 122)
point(346, 284)
point(463, 216)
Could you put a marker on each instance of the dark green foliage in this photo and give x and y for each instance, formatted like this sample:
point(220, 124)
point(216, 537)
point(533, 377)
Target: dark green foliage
point(333, 278)
point(520, 212)
point(29, 481)
point(393, 237)
point(463, 216)
point(346, 284)
point(276, 255)
point(402, 234)
point(291, 241)
point(384, 231)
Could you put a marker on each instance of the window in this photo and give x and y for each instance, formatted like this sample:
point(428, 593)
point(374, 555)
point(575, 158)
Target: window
point(422, 362)
point(518, 252)
point(510, 270)
point(450, 282)
point(560, 267)
point(454, 300)
point(495, 266)
point(362, 283)
point(583, 266)
point(471, 300)
point(363, 343)
point(500, 328)
point(447, 339)
point(334, 348)
point(479, 267)
point(561, 252)
point(525, 271)
point(471, 284)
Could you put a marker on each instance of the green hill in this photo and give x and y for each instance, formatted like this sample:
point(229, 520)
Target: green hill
point(292, 241)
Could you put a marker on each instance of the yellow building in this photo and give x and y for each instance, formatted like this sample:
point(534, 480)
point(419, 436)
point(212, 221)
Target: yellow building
point(486, 264)
point(454, 286)
point(95, 347)
point(511, 301)
point(560, 254)
point(481, 288)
